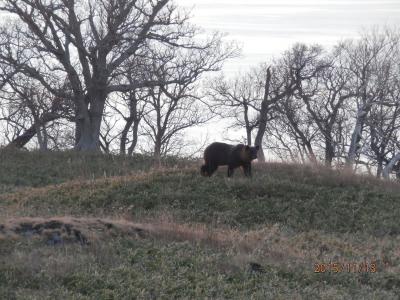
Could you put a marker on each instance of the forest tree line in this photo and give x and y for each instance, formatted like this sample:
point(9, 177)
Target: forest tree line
point(126, 76)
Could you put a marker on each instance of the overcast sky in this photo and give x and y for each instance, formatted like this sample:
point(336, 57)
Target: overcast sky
point(267, 27)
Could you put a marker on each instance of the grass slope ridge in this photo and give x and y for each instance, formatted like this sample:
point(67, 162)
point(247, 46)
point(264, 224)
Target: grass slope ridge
point(300, 197)
point(105, 227)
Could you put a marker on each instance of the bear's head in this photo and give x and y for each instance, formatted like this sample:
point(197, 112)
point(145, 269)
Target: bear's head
point(204, 171)
point(250, 153)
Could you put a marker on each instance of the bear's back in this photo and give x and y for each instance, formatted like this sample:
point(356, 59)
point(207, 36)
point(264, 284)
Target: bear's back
point(218, 153)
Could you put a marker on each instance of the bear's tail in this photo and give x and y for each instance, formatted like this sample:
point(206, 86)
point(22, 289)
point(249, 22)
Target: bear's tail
point(203, 170)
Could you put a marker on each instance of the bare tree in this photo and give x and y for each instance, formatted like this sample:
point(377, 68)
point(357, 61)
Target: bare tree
point(390, 134)
point(88, 42)
point(131, 105)
point(136, 105)
point(366, 59)
point(170, 114)
point(238, 99)
point(250, 99)
point(107, 133)
point(298, 67)
point(383, 124)
point(176, 106)
point(283, 142)
point(325, 93)
point(32, 109)
point(282, 80)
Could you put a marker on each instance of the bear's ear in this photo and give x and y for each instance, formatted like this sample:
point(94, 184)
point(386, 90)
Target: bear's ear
point(247, 147)
point(257, 147)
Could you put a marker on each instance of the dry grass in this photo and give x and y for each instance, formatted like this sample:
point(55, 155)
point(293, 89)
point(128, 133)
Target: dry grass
point(324, 175)
point(273, 245)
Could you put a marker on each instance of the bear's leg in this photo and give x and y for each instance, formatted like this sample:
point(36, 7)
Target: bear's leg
point(244, 168)
point(230, 171)
point(247, 170)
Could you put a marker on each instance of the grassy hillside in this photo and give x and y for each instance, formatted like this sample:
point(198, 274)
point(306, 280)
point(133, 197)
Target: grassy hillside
point(35, 169)
point(106, 227)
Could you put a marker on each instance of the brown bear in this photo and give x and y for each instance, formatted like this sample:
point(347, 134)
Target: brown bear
point(234, 156)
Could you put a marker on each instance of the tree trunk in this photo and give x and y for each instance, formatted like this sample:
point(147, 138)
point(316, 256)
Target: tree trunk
point(41, 137)
point(310, 152)
point(21, 140)
point(89, 137)
point(124, 135)
point(157, 151)
point(28, 134)
point(133, 119)
point(88, 125)
point(329, 152)
point(263, 118)
point(379, 168)
point(388, 169)
point(248, 133)
point(134, 123)
point(356, 137)
point(45, 138)
point(134, 138)
point(247, 123)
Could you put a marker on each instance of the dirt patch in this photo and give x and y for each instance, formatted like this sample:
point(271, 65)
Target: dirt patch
point(59, 230)
point(274, 244)
point(67, 230)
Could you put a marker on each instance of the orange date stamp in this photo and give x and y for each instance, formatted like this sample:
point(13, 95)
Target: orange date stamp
point(349, 267)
